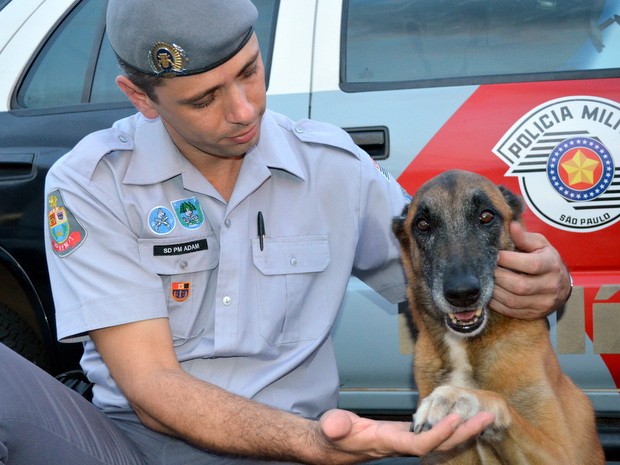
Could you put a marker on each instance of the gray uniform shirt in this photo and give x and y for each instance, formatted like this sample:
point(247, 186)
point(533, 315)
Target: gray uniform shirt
point(136, 232)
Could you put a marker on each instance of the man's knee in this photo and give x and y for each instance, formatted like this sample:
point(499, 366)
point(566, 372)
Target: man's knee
point(42, 421)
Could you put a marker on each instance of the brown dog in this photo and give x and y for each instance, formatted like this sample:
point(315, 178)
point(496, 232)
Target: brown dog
point(469, 359)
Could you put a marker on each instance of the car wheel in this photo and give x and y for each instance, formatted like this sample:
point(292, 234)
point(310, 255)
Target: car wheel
point(16, 334)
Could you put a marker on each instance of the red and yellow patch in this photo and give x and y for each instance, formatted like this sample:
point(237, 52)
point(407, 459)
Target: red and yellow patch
point(180, 291)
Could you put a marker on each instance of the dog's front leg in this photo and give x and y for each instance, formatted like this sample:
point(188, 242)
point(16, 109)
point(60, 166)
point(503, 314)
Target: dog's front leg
point(513, 438)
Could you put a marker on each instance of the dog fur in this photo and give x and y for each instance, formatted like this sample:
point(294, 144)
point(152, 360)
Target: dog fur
point(469, 359)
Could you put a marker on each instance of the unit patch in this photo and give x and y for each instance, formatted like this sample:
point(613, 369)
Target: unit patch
point(565, 153)
point(189, 212)
point(180, 291)
point(161, 220)
point(66, 232)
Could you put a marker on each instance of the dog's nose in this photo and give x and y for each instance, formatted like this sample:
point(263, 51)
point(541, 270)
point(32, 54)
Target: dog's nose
point(462, 291)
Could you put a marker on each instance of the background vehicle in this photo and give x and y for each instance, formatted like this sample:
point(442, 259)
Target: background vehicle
point(493, 86)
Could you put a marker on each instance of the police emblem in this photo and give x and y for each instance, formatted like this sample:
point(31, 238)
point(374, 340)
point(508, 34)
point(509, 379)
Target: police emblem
point(161, 220)
point(189, 212)
point(167, 59)
point(561, 151)
point(179, 291)
point(580, 168)
point(66, 232)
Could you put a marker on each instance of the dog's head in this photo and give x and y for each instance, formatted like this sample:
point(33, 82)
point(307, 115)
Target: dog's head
point(450, 235)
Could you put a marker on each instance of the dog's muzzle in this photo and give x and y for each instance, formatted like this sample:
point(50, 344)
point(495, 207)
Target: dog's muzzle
point(463, 292)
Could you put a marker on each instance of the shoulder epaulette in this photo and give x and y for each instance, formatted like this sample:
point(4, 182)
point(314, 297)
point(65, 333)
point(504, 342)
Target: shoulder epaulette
point(87, 154)
point(317, 132)
point(327, 134)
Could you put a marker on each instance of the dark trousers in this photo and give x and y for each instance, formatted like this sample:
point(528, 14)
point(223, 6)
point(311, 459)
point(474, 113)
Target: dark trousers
point(42, 422)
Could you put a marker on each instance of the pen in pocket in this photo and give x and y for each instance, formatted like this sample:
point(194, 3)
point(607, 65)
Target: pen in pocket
point(261, 230)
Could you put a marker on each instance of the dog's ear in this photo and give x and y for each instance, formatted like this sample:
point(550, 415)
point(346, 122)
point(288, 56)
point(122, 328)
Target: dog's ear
point(514, 201)
point(398, 224)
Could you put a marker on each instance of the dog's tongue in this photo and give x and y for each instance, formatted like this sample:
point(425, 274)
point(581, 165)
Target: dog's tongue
point(464, 316)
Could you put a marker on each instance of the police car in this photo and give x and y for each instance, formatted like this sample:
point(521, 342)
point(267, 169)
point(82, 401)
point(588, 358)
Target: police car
point(525, 92)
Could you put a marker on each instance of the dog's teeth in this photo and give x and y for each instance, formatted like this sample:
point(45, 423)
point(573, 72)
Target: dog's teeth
point(464, 316)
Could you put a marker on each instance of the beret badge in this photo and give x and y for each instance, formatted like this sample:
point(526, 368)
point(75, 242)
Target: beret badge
point(168, 59)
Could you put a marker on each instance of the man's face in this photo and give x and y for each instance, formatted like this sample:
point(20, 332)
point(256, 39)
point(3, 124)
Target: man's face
point(216, 113)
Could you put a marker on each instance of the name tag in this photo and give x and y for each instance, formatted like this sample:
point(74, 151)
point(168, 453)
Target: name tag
point(179, 249)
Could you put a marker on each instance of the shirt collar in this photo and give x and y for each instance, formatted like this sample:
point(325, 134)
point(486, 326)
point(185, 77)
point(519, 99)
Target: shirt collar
point(155, 158)
point(274, 148)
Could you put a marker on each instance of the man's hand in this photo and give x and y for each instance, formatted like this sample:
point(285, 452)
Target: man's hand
point(354, 438)
point(531, 282)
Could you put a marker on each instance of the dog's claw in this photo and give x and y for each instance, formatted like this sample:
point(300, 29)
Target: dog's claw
point(421, 428)
point(418, 427)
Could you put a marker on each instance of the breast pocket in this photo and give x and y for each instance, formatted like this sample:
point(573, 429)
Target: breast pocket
point(289, 269)
point(186, 266)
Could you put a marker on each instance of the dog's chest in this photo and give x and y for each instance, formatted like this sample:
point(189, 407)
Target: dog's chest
point(460, 371)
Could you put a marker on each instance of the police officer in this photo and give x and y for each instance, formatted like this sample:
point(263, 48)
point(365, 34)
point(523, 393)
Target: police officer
point(201, 249)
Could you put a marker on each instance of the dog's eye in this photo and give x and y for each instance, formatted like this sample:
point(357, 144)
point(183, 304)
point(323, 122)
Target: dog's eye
point(486, 217)
point(423, 225)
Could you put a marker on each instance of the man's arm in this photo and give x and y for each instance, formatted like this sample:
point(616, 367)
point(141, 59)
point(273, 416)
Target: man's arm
point(532, 282)
point(142, 361)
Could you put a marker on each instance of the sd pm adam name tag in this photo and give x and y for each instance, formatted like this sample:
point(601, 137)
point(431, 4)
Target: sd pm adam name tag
point(179, 249)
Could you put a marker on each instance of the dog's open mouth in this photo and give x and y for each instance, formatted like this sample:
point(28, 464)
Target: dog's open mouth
point(465, 322)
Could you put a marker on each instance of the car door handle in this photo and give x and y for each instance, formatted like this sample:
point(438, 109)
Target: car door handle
point(15, 165)
point(374, 140)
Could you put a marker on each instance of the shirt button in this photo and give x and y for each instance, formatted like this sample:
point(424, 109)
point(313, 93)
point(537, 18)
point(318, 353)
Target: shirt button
point(293, 261)
point(183, 265)
point(123, 139)
point(227, 300)
point(299, 130)
point(227, 222)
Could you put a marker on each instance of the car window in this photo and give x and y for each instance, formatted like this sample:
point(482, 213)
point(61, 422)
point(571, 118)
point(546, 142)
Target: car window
point(61, 72)
point(104, 88)
point(426, 42)
point(77, 64)
point(266, 29)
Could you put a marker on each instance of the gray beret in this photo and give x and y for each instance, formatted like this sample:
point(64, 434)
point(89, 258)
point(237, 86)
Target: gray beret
point(176, 38)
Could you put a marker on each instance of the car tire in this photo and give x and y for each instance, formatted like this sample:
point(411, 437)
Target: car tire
point(16, 334)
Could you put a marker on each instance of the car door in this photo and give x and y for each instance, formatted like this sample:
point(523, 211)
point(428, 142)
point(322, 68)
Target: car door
point(290, 63)
point(492, 87)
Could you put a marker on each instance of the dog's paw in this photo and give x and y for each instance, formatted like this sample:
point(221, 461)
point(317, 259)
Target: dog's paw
point(445, 400)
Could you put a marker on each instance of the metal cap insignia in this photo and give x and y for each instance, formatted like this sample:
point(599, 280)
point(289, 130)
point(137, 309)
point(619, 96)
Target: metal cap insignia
point(168, 58)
